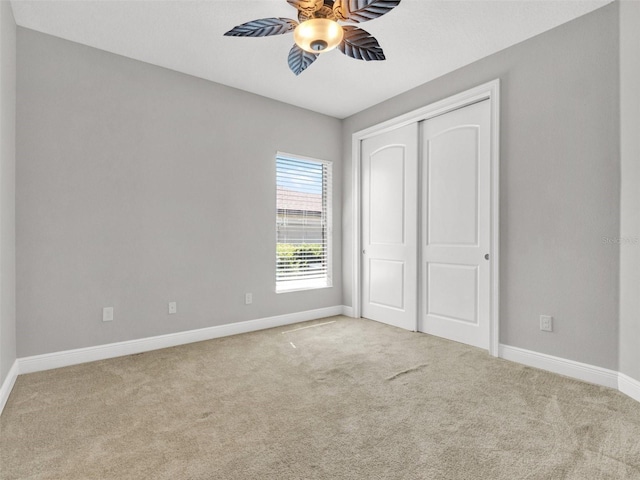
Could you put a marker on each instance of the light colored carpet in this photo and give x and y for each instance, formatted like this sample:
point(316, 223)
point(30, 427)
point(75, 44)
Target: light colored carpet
point(354, 399)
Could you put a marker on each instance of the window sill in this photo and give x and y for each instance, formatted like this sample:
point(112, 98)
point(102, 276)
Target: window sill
point(301, 286)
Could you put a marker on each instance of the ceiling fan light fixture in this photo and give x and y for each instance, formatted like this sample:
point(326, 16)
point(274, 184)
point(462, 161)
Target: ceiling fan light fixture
point(318, 35)
point(317, 29)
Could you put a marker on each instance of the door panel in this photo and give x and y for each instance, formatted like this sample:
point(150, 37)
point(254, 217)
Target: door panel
point(389, 227)
point(453, 290)
point(386, 195)
point(456, 175)
point(386, 288)
point(452, 187)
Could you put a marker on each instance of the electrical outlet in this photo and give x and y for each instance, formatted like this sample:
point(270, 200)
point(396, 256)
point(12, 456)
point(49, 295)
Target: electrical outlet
point(173, 308)
point(248, 298)
point(546, 323)
point(107, 314)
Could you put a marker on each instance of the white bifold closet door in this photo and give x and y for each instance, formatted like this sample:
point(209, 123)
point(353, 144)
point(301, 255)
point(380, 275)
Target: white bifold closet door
point(428, 184)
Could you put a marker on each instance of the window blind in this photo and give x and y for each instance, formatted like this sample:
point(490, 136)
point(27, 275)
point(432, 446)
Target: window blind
point(303, 223)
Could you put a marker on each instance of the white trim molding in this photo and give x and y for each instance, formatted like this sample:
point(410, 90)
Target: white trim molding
point(7, 385)
point(490, 91)
point(347, 311)
point(66, 358)
point(49, 361)
point(562, 366)
point(629, 386)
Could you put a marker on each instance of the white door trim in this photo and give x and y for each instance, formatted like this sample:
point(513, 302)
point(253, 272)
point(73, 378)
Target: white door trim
point(491, 91)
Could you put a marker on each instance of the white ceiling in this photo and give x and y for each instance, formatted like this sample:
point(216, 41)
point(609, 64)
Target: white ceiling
point(422, 40)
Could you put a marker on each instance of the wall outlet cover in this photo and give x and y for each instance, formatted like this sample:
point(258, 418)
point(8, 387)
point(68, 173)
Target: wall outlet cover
point(546, 323)
point(107, 314)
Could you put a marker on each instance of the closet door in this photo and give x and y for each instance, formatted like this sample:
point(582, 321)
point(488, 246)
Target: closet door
point(455, 225)
point(390, 226)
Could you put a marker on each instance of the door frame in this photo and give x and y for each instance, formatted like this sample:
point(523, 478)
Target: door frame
point(487, 91)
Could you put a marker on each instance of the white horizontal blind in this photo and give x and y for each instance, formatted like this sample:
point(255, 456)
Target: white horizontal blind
point(303, 223)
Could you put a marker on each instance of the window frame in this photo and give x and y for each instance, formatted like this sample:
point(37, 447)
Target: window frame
point(327, 193)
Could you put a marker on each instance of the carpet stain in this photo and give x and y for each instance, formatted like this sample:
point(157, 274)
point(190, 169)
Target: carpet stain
point(405, 372)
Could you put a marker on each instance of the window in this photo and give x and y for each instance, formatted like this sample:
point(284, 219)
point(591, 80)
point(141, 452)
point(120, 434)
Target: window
point(303, 223)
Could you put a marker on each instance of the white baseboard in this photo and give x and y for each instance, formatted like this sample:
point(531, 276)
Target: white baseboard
point(629, 386)
point(569, 368)
point(66, 358)
point(7, 385)
point(562, 366)
point(347, 311)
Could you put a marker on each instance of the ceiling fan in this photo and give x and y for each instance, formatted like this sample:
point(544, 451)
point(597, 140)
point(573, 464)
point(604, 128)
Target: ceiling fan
point(317, 29)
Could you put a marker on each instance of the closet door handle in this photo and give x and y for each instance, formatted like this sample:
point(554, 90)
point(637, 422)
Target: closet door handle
point(486, 257)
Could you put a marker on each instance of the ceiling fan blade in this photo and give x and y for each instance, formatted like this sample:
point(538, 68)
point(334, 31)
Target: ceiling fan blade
point(362, 10)
point(299, 60)
point(360, 44)
point(263, 27)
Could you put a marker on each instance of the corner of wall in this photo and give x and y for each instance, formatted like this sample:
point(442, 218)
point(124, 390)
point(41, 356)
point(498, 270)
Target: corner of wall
point(7, 189)
point(629, 308)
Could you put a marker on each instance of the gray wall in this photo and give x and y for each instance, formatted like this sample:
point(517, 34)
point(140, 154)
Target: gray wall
point(630, 197)
point(7, 189)
point(137, 186)
point(132, 178)
point(560, 184)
